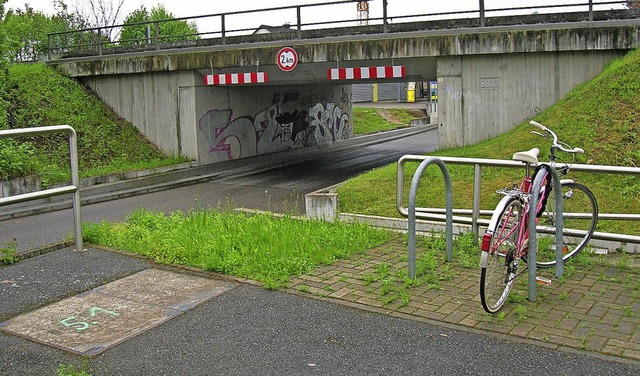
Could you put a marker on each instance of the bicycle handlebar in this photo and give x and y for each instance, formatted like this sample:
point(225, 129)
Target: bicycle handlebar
point(556, 144)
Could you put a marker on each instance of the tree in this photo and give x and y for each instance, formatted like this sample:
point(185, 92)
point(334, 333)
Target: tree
point(26, 31)
point(140, 21)
point(100, 13)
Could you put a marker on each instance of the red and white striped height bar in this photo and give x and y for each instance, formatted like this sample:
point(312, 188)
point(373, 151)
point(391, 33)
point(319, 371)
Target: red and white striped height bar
point(236, 78)
point(363, 73)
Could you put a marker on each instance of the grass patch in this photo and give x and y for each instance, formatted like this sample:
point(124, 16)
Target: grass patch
point(71, 370)
point(373, 120)
point(601, 116)
point(8, 253)
point(259, 247)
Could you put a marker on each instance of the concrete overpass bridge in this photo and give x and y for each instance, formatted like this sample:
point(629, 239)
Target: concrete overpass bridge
point(230, 97)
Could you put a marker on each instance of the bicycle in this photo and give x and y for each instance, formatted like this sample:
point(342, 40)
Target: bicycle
point(505, 242)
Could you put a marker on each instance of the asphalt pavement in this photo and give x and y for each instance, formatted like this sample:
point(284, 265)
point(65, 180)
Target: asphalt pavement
point(252, 331)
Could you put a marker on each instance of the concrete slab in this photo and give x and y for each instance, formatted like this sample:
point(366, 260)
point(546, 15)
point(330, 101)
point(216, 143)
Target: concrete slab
point(94, 321)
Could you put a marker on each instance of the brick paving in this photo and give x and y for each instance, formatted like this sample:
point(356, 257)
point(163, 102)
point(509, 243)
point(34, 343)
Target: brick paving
point(594, 307)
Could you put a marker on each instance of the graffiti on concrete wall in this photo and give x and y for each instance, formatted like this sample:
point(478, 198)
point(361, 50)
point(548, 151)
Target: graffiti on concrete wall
point(291, 121)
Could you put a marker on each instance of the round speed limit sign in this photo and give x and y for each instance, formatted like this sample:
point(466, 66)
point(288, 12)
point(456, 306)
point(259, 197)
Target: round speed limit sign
point(287, 59)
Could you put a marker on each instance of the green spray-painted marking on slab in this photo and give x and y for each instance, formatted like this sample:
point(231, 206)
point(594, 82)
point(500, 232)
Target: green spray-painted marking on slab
point(82, 325)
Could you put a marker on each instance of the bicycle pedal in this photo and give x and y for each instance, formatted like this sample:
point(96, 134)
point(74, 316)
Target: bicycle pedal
point(543, 281)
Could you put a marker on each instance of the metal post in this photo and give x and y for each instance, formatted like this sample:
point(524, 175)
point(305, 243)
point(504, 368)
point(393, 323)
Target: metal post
point(412, 212)
point(482, 21)
point(590, 10)
point(157, 34)
point(223, 26)
point(475, 230)
point(299, 22)
point(75, 180)
point(99, 42)
point(385, 27)
point(557, 187)
point(533, 239)
point(49, 46)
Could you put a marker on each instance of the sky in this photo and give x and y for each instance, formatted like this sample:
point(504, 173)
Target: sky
point(188, 8)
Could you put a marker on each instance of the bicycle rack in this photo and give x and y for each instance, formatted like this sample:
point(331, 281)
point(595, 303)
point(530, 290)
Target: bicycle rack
point(533, 239)
point(533, 242)
point(74, 188)
point(412, 210)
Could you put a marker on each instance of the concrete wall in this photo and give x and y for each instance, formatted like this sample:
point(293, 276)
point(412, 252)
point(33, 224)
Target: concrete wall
point(237, 122)
point(481, 96)
point(150, 102)
point(212, 124)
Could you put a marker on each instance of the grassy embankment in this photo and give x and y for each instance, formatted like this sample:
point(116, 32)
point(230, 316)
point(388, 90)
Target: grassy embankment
point(39, 96)
point(601, 116)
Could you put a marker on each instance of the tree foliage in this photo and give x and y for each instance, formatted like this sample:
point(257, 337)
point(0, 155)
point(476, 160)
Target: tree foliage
point(26, 30)
point(141, 20)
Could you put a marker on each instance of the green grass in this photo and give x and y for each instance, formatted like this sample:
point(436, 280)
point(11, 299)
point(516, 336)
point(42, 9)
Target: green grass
point(259, 247)
point(40, 96)
point(8, 253)
point(70, 370)
point(373, 120)
point(601, 116)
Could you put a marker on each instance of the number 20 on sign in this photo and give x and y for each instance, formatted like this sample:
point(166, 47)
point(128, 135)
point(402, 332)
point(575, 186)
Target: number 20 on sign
point(71, 322)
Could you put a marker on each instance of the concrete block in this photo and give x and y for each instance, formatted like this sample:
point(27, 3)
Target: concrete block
point(20, 185)
point(322, 204)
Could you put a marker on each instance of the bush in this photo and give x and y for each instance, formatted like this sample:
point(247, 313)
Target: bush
point(16, 159)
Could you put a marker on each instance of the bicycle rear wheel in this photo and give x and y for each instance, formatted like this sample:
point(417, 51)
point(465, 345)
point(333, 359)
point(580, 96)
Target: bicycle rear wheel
point(497, 273)
point(580, 216)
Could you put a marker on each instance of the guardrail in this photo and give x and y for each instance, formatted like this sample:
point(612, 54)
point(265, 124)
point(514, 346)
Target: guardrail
point(475, 221)
point(94, 41)
point(74, 188)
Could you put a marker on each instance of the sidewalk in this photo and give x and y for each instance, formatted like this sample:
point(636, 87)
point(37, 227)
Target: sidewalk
point(596, 308)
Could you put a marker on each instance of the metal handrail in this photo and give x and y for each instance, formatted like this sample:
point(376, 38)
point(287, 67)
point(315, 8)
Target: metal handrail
point(385, 21)
point(475, 221)
point(74, 188)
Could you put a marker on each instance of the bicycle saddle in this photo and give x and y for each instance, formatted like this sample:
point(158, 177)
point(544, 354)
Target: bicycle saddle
point(530, 156)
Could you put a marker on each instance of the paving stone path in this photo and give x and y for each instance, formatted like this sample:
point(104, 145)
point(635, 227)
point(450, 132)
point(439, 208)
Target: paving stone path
point(594, 307)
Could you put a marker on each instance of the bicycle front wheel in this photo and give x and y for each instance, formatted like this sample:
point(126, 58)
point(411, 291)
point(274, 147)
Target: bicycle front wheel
point(497, 272)
point(579, 216)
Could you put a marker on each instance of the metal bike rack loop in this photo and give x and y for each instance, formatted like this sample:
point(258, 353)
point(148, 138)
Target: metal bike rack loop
point(74, 188)
point(412, 210)
point(533, 239)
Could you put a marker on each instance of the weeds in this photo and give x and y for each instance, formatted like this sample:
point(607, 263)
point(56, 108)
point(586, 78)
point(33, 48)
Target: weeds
point(260, 247)
point(70, 370)
point(8, 253)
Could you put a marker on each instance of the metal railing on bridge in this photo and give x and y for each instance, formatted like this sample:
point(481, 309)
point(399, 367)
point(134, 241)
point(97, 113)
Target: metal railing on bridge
point(232, 27)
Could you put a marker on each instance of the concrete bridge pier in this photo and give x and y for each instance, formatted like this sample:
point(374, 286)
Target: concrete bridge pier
point(484, 95)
